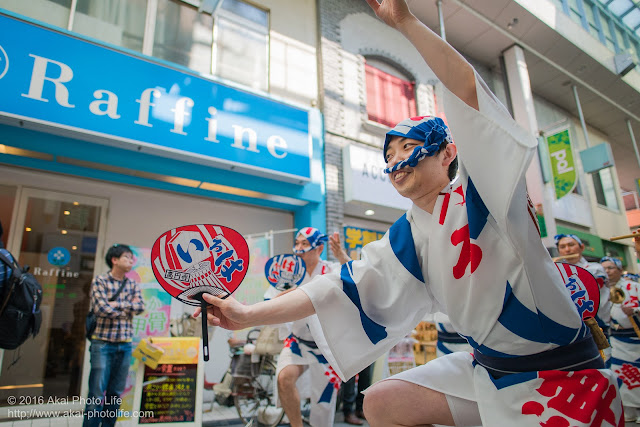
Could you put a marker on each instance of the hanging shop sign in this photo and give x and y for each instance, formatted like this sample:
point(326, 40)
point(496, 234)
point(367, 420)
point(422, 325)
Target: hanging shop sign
point(365, 181)
point(562, 163)
point(78, 88)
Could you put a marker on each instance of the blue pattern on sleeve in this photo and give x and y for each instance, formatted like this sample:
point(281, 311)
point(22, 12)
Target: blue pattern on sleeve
point(374, 331)
point(401, 240)
point(327, 393)
point(477, 212)
point(532, 326)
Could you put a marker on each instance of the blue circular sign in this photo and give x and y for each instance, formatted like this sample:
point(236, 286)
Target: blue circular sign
point(58, 256)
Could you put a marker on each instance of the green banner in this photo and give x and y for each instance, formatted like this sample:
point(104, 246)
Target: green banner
point(562, 164)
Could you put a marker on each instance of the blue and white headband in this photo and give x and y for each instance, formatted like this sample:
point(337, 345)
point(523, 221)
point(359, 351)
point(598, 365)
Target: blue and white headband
point(432, 130)
point(313, 236)
point(557, 238)
point(616, 261)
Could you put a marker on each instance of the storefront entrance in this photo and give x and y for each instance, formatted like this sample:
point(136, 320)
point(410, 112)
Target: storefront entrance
point(58, 236)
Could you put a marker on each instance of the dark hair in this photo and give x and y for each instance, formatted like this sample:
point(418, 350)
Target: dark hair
point(453, 166)
point(116, 251)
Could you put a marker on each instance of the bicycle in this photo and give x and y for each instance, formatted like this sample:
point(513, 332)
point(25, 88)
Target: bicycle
point(254, 377)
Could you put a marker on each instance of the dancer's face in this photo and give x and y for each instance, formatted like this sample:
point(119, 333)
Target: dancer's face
point(429, 176)
point(612, 271)
point(569, 246)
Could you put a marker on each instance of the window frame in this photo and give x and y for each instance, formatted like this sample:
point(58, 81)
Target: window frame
point(241, 21)
point(382, 68)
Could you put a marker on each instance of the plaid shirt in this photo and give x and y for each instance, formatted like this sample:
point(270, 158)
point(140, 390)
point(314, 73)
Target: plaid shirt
point(114, 319)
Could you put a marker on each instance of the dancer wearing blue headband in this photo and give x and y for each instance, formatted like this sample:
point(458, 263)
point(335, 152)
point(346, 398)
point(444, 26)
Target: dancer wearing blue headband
point(300, 355)
point(570, 248)
point(625, 341)
point(470, 249)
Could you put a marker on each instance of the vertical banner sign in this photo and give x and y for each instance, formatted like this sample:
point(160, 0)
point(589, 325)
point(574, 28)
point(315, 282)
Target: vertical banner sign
point(562, 163)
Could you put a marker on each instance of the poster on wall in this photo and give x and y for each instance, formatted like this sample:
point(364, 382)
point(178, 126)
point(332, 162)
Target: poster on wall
point(356, 238)
point(152, 322)
point(255, 284)
point(563, 168)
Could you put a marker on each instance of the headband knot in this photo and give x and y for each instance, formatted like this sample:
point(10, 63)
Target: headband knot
point(428, 129)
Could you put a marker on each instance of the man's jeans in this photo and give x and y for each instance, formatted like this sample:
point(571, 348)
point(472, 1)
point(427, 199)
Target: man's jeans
point(349, 394)
point(109, 368)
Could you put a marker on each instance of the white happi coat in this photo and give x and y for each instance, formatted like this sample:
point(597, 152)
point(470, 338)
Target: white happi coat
point(443, 347)
point(479, 259)
point(319, 381)
point(625, 351)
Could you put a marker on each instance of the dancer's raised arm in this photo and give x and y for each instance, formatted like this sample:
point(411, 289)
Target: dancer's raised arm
point(448, 65)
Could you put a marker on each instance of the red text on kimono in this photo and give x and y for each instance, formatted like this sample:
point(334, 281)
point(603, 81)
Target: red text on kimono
point(633, 300)
point(333, 377)
point(470, 253)
point(447, 198)
point(630, 375)
point(583, 396)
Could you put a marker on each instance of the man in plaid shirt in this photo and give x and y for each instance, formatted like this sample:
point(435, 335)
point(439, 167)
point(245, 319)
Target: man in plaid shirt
point(111, 341)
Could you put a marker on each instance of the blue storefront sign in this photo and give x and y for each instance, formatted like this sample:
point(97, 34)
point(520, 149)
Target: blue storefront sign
point(115, 98)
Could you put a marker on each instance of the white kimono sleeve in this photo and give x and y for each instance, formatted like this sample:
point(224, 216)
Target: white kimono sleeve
point(367, 307)
point(494, 149)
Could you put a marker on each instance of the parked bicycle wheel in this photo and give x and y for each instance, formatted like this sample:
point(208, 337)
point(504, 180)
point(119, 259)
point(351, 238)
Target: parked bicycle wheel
point(253, 392)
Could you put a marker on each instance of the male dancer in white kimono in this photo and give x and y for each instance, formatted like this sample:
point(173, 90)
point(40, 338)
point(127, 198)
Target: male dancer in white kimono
point(300, 352)
point(625, 342)
point(471, 251)
point(571, 248)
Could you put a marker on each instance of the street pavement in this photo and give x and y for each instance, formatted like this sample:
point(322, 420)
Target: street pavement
point(228, 417)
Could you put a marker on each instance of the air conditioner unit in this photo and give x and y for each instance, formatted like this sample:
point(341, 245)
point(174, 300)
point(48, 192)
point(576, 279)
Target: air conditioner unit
point(624, 63)
point(596, 158)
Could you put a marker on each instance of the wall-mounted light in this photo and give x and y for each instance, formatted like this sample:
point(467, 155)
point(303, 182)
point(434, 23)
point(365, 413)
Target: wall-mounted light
point(369, 212)
point(63, 231)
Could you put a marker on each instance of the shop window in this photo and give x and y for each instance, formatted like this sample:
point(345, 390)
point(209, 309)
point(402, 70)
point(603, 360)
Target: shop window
point(578, 188)
point(54, 12)
point(390, 96)
point(183, 35)
point(591, 13)
point(610, 41)
point(576, 12)
point(241, 44)
point(7, 201)
point(635, 50)
point(119, 22)
point(605, 190)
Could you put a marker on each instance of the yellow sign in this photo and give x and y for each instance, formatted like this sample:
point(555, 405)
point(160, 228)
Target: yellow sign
point(178, 349)
point(148, 353)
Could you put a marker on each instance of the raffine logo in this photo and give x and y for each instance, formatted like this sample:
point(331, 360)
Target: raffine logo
point(4, 62)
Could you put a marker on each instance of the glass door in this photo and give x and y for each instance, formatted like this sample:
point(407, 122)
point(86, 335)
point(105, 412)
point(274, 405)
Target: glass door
point(58, 235)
